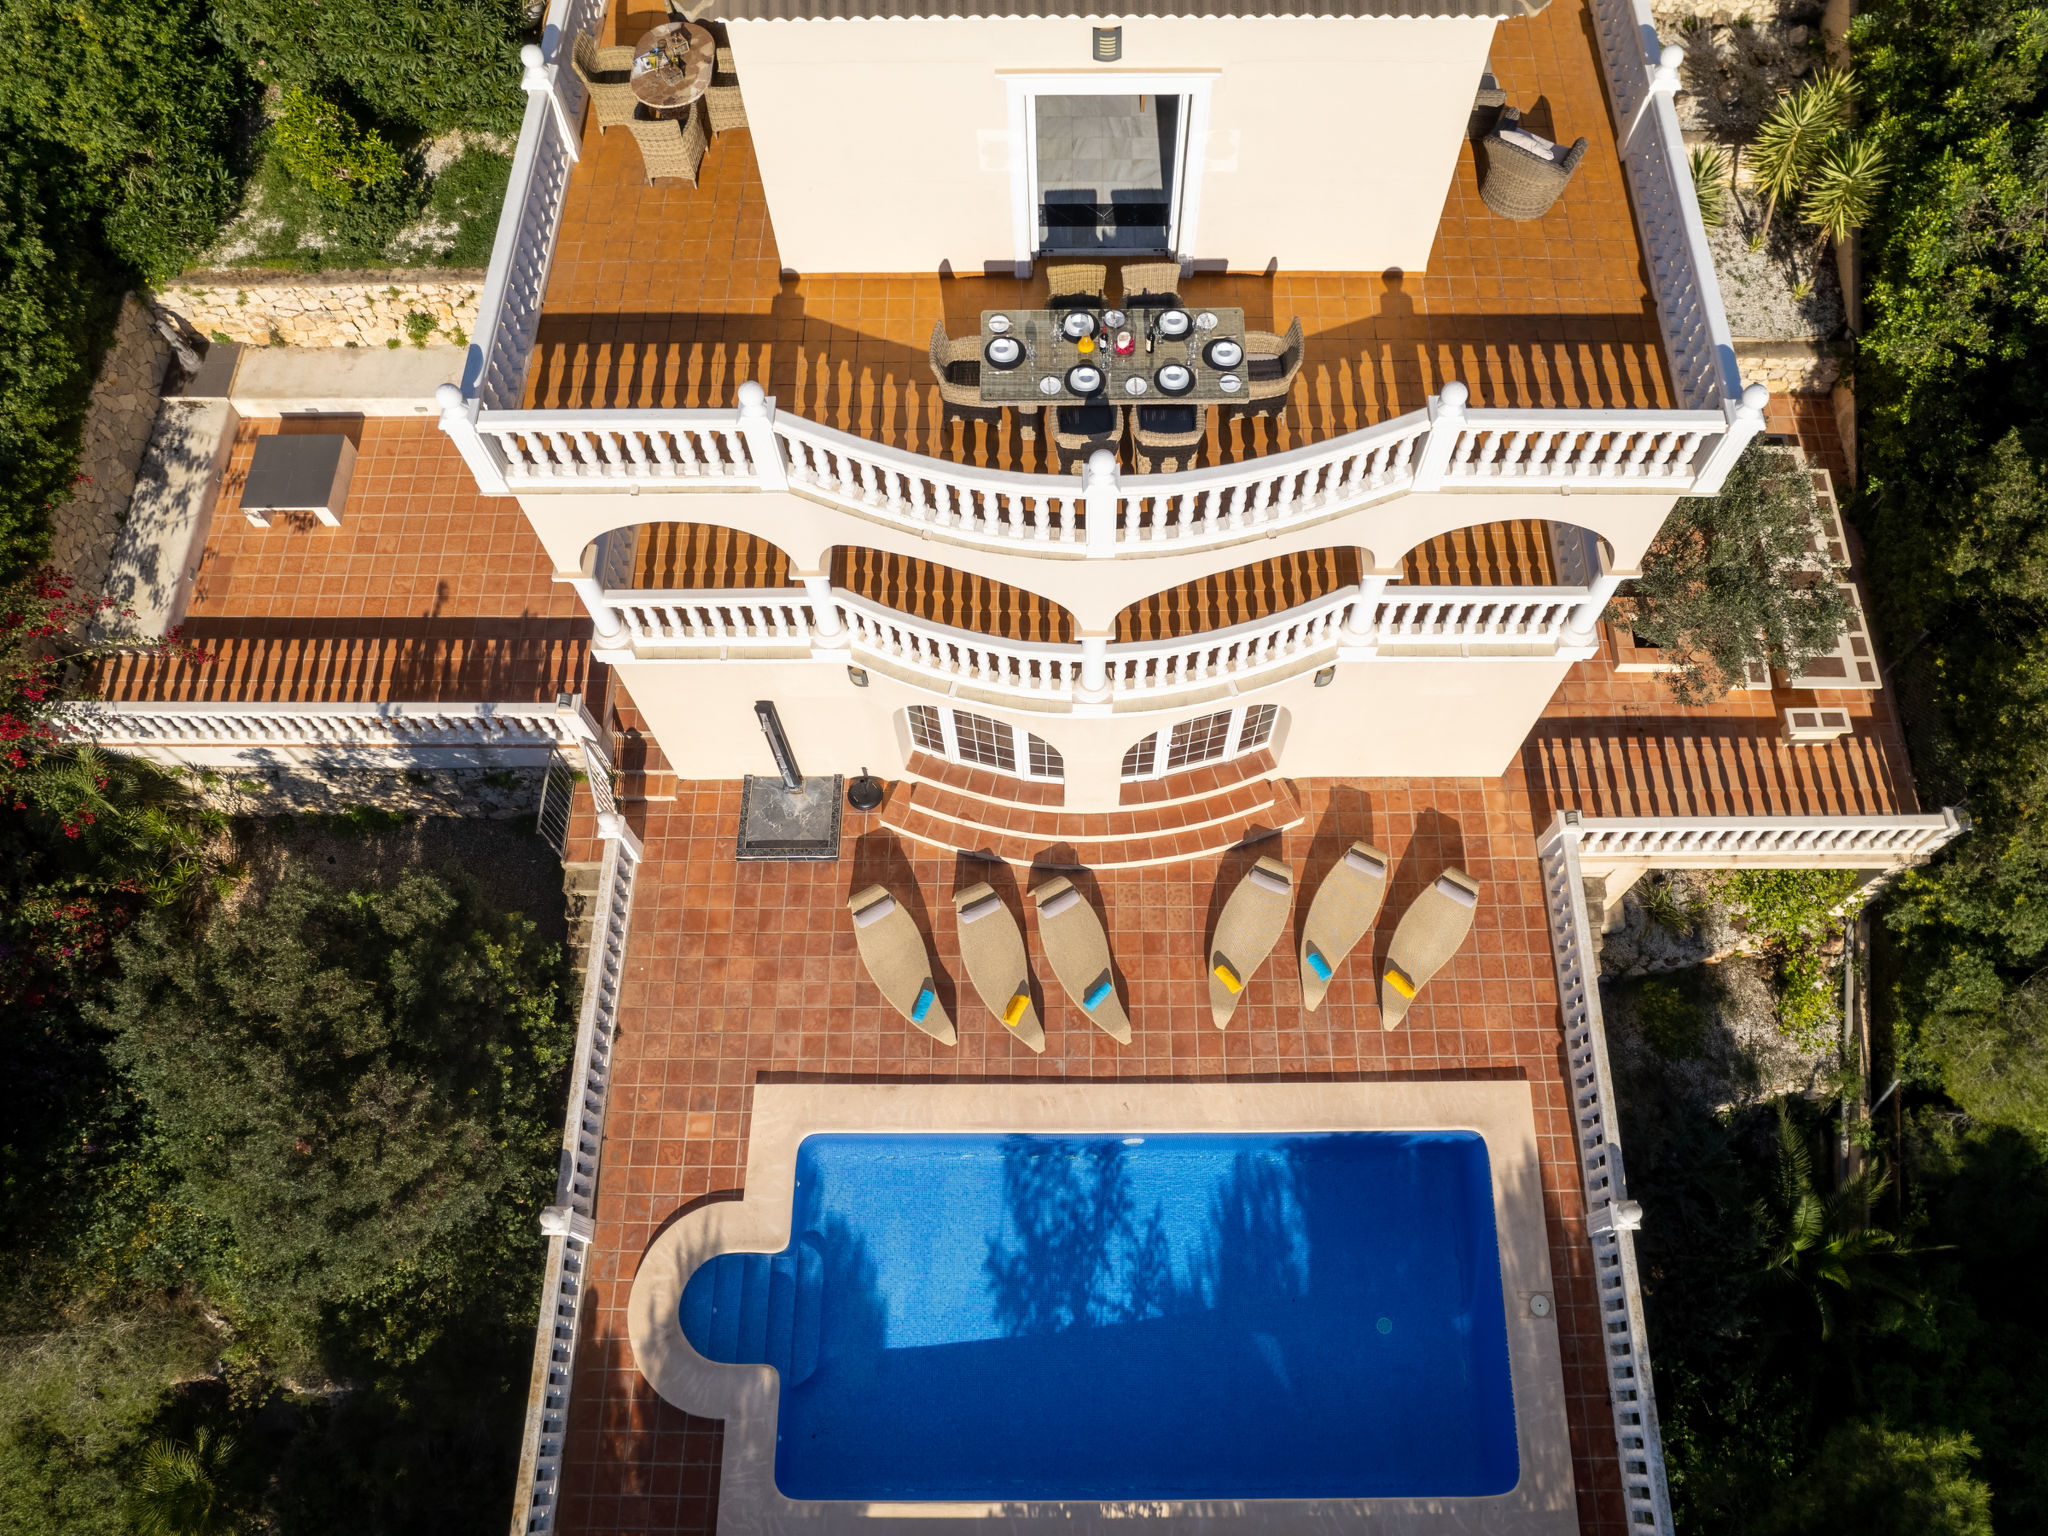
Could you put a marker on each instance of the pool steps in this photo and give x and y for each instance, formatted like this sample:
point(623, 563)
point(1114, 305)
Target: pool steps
point(758, 1309)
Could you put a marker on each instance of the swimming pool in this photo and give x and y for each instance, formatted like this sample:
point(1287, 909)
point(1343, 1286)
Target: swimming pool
point(1099, 1317)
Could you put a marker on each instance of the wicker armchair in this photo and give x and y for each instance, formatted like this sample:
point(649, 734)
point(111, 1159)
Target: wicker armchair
point(1167, 436)
point(671, 148)
point(1079, 286)
point(1270, 364)
point(611, 98)
point(1524, 171)
point(1151, 285)
point(956, 369)
point(1078, 430)
point(1490, 95)
point(722, 102)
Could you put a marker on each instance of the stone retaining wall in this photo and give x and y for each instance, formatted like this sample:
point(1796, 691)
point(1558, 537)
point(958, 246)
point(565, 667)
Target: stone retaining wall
point(332, 309)
point(1788, 367)
point(118, 421)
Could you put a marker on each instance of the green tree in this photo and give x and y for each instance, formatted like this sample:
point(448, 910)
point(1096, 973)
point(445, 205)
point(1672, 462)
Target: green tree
point(356, 1084)
point(1996, 1067)
point(1728, 585)
point(1878, 1481)
point(177, 1491)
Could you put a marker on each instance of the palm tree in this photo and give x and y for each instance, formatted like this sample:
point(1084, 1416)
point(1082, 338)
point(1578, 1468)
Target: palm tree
point(177, 1492)
point(1793, 138)
point(1850, 174)
point(1710, 166)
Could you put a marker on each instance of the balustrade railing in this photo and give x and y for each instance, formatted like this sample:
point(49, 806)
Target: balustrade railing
point(163, 728)
point(947, 656)
point(1551, 446)
point(1226, 656)
point(562, 449)
point(1481, 616)
point(1719, 842)
point(715, 618)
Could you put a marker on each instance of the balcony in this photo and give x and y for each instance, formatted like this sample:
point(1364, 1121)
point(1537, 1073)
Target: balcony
point(641, 339)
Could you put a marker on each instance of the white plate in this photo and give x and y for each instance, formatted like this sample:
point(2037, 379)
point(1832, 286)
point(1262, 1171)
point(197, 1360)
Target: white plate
point(1173, 376)
point(1166, 329)
point(999, 323)
point(1134, 385)
point(1050, 385)
point(1113, 318)
point(1223, 354)
point(1205, 321)
point(1085, 378)
point(1078, 323)
point(1005, 349)
point(1230, 383)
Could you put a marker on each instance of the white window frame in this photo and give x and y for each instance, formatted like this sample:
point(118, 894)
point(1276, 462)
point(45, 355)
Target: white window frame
point(1024, 85)
point(1234, 750)
point(1020, 745)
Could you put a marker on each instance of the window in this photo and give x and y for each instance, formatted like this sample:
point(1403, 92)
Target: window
point(1138, 761)
point(1045, 759)
point(1198, 741)
point(988, 742)
point(924, 729)
point(1258, 726)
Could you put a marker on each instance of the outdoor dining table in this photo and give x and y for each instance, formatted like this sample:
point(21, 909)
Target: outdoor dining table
point(1041, 375)
point(672, 66)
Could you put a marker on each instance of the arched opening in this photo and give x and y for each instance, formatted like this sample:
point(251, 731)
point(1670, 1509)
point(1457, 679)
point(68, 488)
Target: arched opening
point(1210, 738)
point(982, 741)
point(939, 594)
point(1520, 553)
point(688, 557)
point(1239, 596)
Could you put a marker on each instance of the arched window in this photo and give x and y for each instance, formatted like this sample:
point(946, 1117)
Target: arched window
point(964, 737)
point(1204, 739)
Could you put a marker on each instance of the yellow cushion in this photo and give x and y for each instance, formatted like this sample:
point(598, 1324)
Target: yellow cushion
point(1398, 980)
point(1016, 1009)
point(1229, 977)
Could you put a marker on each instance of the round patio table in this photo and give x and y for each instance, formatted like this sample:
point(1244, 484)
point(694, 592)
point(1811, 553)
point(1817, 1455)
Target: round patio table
point(672, 67)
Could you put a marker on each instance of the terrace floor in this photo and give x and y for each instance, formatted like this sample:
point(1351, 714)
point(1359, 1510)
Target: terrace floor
point(673, 296)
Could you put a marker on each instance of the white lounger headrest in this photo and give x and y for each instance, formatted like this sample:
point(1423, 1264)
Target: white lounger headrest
point(874, 913)
point(974, 911)
point(1268, 880)
point(1059, 903)
point(1458, 893)
point(1366, 864)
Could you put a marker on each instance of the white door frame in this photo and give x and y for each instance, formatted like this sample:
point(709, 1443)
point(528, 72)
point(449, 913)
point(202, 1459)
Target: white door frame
point(1185, 209)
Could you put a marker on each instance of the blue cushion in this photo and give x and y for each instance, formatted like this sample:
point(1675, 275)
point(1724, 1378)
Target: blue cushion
point(1166, 419)
point(1088, 420)
point(923, 1005)
point(1318, 964)
point(1096, 994)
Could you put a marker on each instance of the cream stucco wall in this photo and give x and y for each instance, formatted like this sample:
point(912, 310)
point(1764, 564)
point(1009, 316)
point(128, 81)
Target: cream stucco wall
point(1450, 718)
point(886, 146)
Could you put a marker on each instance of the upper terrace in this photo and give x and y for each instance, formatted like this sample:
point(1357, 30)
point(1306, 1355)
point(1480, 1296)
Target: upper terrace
point(623, 319)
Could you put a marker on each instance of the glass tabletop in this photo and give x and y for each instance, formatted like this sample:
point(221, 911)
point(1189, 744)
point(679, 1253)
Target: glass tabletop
point(1048, 357)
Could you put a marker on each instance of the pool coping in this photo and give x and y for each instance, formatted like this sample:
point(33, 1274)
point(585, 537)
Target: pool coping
point(747, 1396)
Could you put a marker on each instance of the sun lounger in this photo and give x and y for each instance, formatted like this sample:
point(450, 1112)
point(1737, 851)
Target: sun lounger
point(893, 951)
point(1251, 924)
point(992, 949)
point(1430, 932)
point(1078, 949)
point(1347, 904)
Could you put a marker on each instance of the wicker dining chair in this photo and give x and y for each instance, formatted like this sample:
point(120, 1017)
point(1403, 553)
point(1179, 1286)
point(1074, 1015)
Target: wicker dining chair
point(613, 100)
point(1525, 172)
point(1167, 436)
point(1078, 430)
point(956, 369)
point(722, 102)
point(1151, 285)
point(1079, 285)
point(671, 148)
point(1270, 364)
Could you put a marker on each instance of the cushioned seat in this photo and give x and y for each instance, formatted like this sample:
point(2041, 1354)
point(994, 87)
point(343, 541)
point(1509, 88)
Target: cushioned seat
point(1088, 420)
point(1169, 418)
point(1249, 926)
point(965, 372)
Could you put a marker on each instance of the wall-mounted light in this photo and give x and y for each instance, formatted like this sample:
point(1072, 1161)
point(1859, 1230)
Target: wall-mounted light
point(858, 676)
point(1109, 44)
point(1326, 677)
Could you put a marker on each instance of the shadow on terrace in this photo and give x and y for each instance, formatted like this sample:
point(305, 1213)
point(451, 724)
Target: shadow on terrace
point(671, 296)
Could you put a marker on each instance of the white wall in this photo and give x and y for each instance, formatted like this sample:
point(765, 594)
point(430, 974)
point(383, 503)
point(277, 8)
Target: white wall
point(884, 146)
point(1397, 719)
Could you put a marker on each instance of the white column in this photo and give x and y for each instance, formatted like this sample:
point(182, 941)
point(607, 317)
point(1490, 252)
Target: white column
point(1663, 82)
point(1745, 421)
point(1099, 497)
point(1581, 630)
point(1361, 631)
point(458, 420)
point(757, 426)
point(825, 621)
point(610, 634)
point(1446, 424)
point(538, 78)
point(1094, 669)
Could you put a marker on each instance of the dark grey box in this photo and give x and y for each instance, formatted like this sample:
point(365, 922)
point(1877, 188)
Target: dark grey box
point(299, 472)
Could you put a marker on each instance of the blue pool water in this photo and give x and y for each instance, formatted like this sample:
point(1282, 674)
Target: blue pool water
point(1058, 1317)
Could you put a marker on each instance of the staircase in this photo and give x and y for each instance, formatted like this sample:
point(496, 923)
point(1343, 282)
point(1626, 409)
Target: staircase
point(1189, 816)
point(758, 1309)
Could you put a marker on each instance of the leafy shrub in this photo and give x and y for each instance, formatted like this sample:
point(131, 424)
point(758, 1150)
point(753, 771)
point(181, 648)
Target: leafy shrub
point(1671, 1022)
point(469, 194)
point(1996, 1068)
point(1788, 911)
point(321, 147)
point(1879, 1481)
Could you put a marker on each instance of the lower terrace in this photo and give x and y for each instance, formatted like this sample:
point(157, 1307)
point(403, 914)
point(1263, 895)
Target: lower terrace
point(670, 296)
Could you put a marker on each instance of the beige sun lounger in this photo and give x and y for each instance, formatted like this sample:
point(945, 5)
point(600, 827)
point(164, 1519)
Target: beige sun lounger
point(1431, 931)
point(1251, 924)
point(992, 949)
point(1347, 904)
point(1078, 949)
point(893, 951)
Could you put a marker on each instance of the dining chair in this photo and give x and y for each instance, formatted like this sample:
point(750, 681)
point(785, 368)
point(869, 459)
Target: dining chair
point(956, 369)
point(613, 100)
point(671, 148)
point(1078, 430)
point(1270, 364)
point(722, 104)
point(1167, 436)
point(1079, 285)
point(1525, 172)
point(1151, 285)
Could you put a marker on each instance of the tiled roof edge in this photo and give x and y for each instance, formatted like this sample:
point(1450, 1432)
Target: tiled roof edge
point(1009, 10)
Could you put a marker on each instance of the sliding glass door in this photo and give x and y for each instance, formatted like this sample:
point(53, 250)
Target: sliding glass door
point(1107, 172)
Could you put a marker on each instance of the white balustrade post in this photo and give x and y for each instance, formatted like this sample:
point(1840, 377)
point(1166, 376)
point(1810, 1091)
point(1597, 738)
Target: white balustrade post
point(1663, 82)
point(757, 427)
point(1094, 687)
point(609, 633)
point(1745, 421)
point(1099, 497)
point(538, 78)
point(827, 630)
point(458, 420)
point(1446, 425)
point(1581, 630)
point(1360, 636)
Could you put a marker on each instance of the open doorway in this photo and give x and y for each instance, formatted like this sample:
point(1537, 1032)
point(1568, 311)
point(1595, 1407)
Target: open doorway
point(1107, 172)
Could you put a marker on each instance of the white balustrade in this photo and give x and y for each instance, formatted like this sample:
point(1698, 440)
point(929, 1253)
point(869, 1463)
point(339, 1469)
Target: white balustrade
point(352, 727)
point(563, 450)
point(947, 656)
point(756, 619)
point(1719, 842)
point(1572, 446)
point(1475, 616)
point(1225, 656)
